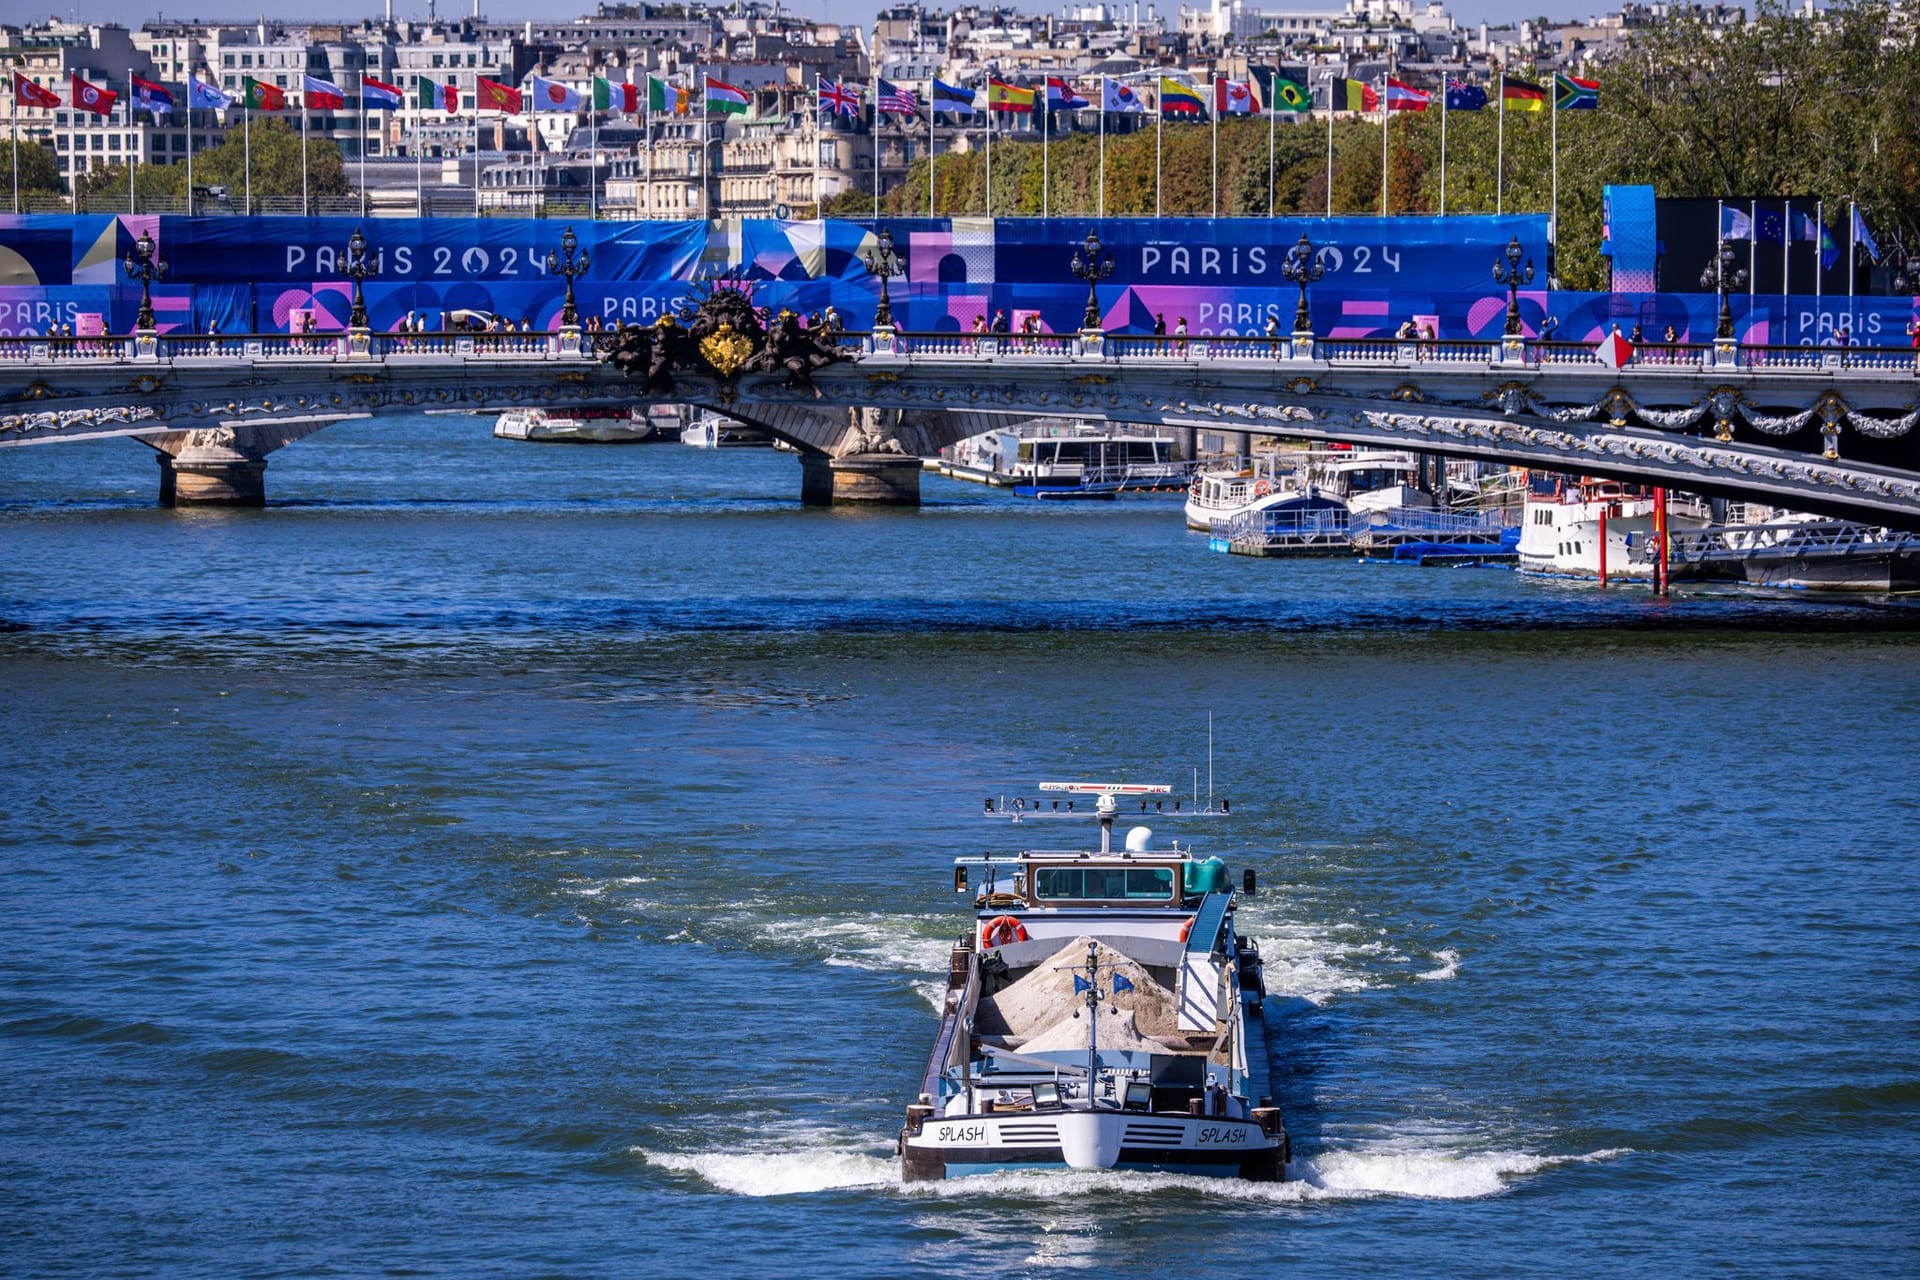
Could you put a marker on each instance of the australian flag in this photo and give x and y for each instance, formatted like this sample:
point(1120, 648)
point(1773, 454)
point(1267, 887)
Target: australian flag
point(1462, 96)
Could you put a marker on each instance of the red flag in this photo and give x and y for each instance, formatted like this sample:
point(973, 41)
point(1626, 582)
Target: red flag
point(28, 94)
point(91, 97)
point(491, 95)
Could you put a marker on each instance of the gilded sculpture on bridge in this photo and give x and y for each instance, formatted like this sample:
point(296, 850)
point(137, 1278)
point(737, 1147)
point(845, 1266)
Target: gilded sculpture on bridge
point(718, 332)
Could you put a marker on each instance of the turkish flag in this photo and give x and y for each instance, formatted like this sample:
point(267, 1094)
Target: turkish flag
point(91, 97)
point(28, 94)
point(1615, 350)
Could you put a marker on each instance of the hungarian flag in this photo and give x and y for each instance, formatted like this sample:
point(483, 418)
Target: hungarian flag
point(611, 95)
point(1615, 350)
point(255, 96)
point(491, 95)
point(91, 97)
point(377, 96)
point(1234, 98)
point(28, 94)
point(1180, 99)
point(433, 96)
point(320, 95)
point(1402, 96)
point(1518, 95)
point(1002, 96)
point(727, 99)
point(1354, 95)
point(155, 99)
point(663, 97)
point(551, 95)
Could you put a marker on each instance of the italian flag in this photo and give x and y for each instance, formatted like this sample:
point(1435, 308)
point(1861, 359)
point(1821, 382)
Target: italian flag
point(608, 96)
point(727, 99)
point(434, 96)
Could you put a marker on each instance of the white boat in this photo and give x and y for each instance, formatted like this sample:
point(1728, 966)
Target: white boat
point(710, 431)
point(1564, 523)
point(1368, 480)
point(575, 426)
point(1216, 495)
point(1768, 547)
point(1103, 1012)
point(1070, 460)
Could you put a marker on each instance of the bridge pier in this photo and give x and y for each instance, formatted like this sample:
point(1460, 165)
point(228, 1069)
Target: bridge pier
point(860, 479)
point(224, 466)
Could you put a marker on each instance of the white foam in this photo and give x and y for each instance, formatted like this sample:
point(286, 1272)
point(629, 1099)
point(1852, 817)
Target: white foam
point(1449, 966)
point(781, 1173)
point(878, 942)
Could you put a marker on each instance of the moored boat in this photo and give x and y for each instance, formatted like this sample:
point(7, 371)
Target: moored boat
point(1566, 523)
point(1102, 1012)
point(1072, 460)
point(575, 426)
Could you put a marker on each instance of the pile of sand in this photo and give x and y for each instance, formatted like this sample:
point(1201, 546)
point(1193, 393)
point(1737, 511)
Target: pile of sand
point(1043, 1000)
point(1115, 1031)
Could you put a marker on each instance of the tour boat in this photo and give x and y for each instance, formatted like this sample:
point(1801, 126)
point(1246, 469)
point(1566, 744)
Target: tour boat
point(1368, 480)
point(1564, 522)
point(1070, 461)
point(711, 431)
point(1217, 495)
point(574, 426)
point(1102, 1011)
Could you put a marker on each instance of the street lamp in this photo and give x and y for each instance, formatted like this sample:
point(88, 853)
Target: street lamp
point(1906, 276)
point(882, 261)
point(1302, 266)
point(1092, 264)
point(357, 269)
point(143, 266)
point(567, 264)
point(1510, 276)
point(1721, 275)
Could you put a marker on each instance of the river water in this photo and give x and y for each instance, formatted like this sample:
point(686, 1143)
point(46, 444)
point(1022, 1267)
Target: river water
point(498, 859)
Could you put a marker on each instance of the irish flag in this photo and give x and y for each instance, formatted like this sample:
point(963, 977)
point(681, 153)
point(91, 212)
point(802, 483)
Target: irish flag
point(611, 96)
point(663, 97)
point(434, 96)
point(727, 99)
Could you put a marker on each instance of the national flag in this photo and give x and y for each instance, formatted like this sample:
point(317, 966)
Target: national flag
point(1062, 96)
point(1829, 249)
point(91, 97)
point(1234, 98)
point(663, 97)
point(950, 99)
point(727, 99)
point(376, 95)
point(1735, 223)
point(1180, 99)
point(1864, 237)
point(1288, 95)
point(1081, 984)
point(1614, 350)
point(1402, 96)
point(255, 96)
point(320, 95)
point(891, 99)
point(156, 99)
point(1121, 982)
point(838, 98)
point(1805, 228)
point(1772, 228)
point(434, 96)
point(1462, 96)
point(1122, 99)
point(1521, 96)
point(614, 95)
point(491, 95)
point(202, 96)
point(1002, 96)
point(1571, 93)
point(28, 94)
point(551, 95)
point(1354, 95)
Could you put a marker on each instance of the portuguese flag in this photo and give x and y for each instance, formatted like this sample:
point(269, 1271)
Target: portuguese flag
point(609, 96)
point(262, 97)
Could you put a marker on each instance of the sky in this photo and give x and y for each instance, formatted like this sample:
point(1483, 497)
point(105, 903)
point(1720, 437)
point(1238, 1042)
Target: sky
point(132, 13)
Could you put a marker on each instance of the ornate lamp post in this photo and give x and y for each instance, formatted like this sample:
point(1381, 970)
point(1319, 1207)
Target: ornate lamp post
point(357, 268)
point(1906, 276)
point(1092, 264)
point(1510, 275)
point(882, 261)
point(143, 266)
point(1302, 266)
point(566, 263)
point(1721, 275)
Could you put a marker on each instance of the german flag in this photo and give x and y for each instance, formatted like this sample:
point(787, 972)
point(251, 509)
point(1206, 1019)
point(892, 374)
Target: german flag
point(1518, 95)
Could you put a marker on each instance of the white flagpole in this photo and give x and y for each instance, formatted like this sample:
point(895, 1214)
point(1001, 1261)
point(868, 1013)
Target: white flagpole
point(1853, 245)
point(1329, 146)
point(1786, 259)
point(1273, 79)
point(306, 210)
point(649, 120)
point(593, 164)
point(476, 147)
point(133, 144)
point(1753, 247)
point(419, 170)
point(1213, 197)
point(363, 144)
point(989, 144)
point(876, 147)
point(246, 151)
point(1046, 136)
point(1553, 222)
point(930, 151)
point(819, 137)
point(1386, 119)
point(16, 143)
point(1819, 259)
point(190, 84)
point(1444, 81)
point(1159, 119)
point(1500, 152)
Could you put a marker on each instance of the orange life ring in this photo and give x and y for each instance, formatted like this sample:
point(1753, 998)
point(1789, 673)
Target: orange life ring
point(1262, 489)
point(1187, 928)
point(1001, 930)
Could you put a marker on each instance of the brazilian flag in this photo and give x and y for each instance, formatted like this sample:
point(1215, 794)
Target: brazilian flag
point(1288, 96)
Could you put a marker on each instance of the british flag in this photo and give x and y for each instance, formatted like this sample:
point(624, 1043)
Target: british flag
point(837, 99)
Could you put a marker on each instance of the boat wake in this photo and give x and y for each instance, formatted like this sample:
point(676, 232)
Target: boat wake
point(1448, 966)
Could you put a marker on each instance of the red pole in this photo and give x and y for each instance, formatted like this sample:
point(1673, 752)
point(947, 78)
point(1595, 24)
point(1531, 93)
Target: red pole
point(1660, 532)
point(1603, 546)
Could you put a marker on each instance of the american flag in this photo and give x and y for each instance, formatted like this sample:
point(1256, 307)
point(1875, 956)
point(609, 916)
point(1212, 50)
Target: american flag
point(897, 101)
point(839, 99)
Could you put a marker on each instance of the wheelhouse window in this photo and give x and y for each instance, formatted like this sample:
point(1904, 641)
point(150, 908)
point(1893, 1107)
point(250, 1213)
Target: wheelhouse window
point(1103, 884)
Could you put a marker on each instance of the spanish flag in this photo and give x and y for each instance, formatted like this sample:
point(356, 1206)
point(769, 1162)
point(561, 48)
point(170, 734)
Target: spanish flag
point(1354, 95)
point(1002, 96)
point(1518, 95)
point(1180, 99)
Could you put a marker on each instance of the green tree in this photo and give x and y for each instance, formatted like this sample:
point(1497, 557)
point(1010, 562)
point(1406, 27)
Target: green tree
point(276, 162)
point(39, 172)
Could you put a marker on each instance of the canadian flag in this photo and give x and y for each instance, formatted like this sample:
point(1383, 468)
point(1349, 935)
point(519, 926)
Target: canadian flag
point(1615, 350)
point(91, 97)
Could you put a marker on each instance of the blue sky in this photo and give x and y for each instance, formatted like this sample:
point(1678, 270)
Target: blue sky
point(134, 12)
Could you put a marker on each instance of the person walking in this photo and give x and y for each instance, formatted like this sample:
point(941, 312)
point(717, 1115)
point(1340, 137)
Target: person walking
point(1180, 338)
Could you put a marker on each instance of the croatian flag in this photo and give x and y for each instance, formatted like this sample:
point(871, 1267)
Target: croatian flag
point(380, 97)
point(1062, 97)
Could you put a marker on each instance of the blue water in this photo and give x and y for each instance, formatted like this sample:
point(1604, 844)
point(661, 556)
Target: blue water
point(498, 859)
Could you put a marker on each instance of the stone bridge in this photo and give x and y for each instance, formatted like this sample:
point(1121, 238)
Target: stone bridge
point(1822, 430)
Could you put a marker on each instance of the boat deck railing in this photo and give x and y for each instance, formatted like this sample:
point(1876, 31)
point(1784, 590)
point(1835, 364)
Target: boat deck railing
point(1824, 539)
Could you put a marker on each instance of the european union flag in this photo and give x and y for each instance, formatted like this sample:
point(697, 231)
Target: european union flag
point(1121, 983)
point(1081, 984)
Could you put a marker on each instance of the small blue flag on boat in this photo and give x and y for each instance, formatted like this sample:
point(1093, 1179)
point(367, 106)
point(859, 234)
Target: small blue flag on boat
point(1081, 984)
point(1121, 983)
